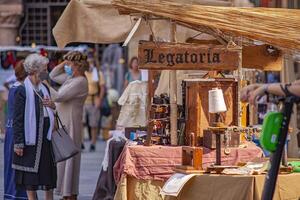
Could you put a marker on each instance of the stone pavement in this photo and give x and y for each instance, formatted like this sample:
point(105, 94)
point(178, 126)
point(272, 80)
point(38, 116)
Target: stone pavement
point(90, 169)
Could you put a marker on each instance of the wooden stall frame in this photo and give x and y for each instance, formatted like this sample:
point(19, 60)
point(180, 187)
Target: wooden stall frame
point(173, 89)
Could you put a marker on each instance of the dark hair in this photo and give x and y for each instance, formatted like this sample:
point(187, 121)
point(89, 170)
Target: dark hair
point(20, 72)
point(131, 61)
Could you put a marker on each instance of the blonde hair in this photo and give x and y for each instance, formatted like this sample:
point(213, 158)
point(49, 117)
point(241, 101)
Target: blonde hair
point(79, 59)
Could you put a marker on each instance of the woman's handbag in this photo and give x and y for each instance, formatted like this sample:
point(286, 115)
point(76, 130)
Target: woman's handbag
point(105, 109)
point(62, 144)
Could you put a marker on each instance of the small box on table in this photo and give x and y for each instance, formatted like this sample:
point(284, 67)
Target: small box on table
point(209, 139)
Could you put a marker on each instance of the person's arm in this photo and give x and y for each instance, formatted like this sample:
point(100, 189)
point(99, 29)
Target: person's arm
point(18, 120)
point(275, 89)
point(58, 74)
point(70, 91)
point(126, 82)
point(6, 85)
point(102, 90)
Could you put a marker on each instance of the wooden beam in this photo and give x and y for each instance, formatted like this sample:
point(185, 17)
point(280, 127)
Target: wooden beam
point(240, 74)
point(173, 93)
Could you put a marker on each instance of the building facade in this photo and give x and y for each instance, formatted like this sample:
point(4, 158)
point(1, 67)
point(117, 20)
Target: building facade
point(10, 16)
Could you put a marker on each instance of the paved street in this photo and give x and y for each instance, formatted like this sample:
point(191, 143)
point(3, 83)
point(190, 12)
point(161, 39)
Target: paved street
point(90, 169)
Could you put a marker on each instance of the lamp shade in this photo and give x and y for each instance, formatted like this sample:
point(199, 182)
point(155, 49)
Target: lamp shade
point(216, 101)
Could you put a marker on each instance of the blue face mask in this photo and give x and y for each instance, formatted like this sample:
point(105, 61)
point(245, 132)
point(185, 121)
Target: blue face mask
point(68, 70)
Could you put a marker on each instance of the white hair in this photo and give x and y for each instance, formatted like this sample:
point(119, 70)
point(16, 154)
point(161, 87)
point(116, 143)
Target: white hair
point(35, 63)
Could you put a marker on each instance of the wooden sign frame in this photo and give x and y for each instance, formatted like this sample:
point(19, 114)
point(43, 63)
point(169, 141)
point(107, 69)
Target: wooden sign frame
point(182, 56)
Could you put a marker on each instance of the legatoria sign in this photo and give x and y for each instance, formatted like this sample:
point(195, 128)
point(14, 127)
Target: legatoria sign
point(186, 56)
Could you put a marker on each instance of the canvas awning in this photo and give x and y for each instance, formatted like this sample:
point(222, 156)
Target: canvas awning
point(274, 26)
point(91, 21)
point(99, 22)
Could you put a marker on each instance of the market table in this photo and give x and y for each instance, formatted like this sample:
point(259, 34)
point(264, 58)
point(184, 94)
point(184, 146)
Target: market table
point(225, 187)
point(141, 171)
point(213, 187)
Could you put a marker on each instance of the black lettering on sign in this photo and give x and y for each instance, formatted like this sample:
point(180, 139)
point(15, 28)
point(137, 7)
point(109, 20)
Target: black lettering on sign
point(170, 59)
point(202, 57)
point(216, 58)
point(149, 56)
point(161, 58)
point(186, 57)
point(208, 58)
point(179, 59)
point(172, 56)
point(194, 58)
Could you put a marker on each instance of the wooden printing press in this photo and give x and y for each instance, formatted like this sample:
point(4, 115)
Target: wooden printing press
point(208, 127)
point(196, 104)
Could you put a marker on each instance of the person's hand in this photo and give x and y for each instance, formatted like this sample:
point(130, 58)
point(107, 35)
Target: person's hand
point(65, 62)
point(245, 92)
point(49, 103)
point(18, 151)
point(98, 103)
point(62, 65)
point(46, 82)
point(256, 94)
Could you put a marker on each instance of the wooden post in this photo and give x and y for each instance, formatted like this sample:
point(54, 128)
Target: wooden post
point(252, 109)
point(218, 149)
point(149, 103)
point(288, 75)
point(173, 93)
point(240, 74)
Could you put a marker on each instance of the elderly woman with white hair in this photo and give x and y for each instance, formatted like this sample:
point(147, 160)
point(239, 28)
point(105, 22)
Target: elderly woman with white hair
point(33, 123)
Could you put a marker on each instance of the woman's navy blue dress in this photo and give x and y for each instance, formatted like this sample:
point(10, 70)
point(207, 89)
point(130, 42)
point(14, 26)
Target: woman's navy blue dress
point(10, 190)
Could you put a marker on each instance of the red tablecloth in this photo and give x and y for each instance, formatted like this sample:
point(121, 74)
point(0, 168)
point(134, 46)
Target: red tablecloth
point(158, 162)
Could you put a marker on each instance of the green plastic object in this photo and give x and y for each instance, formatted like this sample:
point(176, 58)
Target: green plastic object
point(295, 165)
point(271, 130)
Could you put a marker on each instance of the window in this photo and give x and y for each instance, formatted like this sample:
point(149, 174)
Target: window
point(40, 17)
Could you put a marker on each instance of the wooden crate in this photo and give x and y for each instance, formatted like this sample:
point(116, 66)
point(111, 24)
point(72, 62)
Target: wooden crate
point(195, 93)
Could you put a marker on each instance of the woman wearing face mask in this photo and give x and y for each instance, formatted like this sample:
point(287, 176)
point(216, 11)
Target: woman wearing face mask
point(33, 123)
point(70, 99)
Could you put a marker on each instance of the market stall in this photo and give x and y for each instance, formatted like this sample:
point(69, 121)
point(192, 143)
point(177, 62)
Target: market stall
point(206, 135)
point(140, 168)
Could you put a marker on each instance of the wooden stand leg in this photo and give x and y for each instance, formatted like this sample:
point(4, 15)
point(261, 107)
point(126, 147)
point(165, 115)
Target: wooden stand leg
point(218, 149)
point(197, 158)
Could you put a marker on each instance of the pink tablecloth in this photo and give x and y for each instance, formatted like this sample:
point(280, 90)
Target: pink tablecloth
point(158, 162)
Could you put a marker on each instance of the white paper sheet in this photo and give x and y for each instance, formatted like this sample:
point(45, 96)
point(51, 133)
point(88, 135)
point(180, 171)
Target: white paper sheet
point(175, 184)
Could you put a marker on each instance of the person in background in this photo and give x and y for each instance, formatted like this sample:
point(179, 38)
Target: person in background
point(9, 82)
point(273, 77)
point(134, 73)
point(70, 98)
point(10, 190)
point(91, 109)
point(33, 124)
